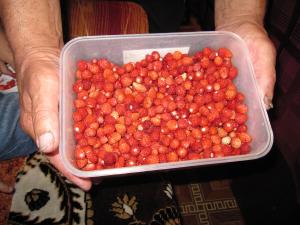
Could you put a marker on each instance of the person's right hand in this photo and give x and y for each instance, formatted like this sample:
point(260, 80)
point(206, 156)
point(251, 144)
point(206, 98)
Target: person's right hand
point(38, 81)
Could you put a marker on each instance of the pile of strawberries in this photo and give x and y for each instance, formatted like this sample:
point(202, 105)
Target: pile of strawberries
point(160, 109)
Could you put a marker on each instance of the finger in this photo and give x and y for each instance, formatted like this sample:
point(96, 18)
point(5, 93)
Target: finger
point(4, 69)
point(266, 86)
point(268, 103)
point(84, 184)
point(45, 112)
point(6, 54)
point(263, 56)
point(5, 188)
point(265, 74)
point(266, 78)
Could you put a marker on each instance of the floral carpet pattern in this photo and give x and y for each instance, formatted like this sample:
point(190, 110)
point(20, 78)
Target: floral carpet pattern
point(43, 196)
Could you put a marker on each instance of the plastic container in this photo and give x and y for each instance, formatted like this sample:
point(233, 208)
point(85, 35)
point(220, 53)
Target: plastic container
point(124, 48)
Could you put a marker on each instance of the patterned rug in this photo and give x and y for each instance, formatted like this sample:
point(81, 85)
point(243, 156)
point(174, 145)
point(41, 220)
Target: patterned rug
point(208, 203)
point(43, 196)
point(136, 200)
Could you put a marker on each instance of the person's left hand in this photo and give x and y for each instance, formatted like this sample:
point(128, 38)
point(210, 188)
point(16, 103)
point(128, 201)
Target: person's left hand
point(263, 56)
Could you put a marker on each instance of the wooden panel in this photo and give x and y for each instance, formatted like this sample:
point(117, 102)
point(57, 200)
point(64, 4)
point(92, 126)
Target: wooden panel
point(92, 17)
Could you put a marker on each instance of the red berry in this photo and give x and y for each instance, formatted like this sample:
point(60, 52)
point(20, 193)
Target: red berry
point(81, 65)
point(81, 163)
point(182, 152)
point(152, 159)
point(172, 157)
point(109, 159)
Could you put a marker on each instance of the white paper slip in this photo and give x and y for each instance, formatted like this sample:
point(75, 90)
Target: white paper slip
point(138, 55)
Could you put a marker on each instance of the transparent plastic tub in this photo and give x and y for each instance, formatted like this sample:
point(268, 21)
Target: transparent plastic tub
point(123, 48)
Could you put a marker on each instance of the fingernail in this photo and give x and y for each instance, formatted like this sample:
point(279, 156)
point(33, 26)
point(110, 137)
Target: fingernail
point(45, 142)
point(268, 102)
point(9, 67)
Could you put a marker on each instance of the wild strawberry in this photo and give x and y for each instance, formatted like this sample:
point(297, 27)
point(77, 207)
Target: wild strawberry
point(81, 163)
point(79, 153)
point(86, 74)
point(224, 52)
point(193, 156)
point(241, 108)
point(162, 158)
point(232, 73)
point(79, 127)
point(236, 142)
point(218, 61)
point(109, 159)
point(182, 152)
point(81, 65)
point(152, 159)
point(92, 157)
point(172, 157)
point(245, 148)
point(230, 94)
point(241, 118)
point(245, 138)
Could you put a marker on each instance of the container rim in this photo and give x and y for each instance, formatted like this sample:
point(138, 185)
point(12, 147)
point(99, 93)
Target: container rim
point(160, 166)
point(153, 35)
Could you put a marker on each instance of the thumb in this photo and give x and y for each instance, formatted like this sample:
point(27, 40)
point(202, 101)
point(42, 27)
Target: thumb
point(266, 84)
point(266, 78)
point(45, 113)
